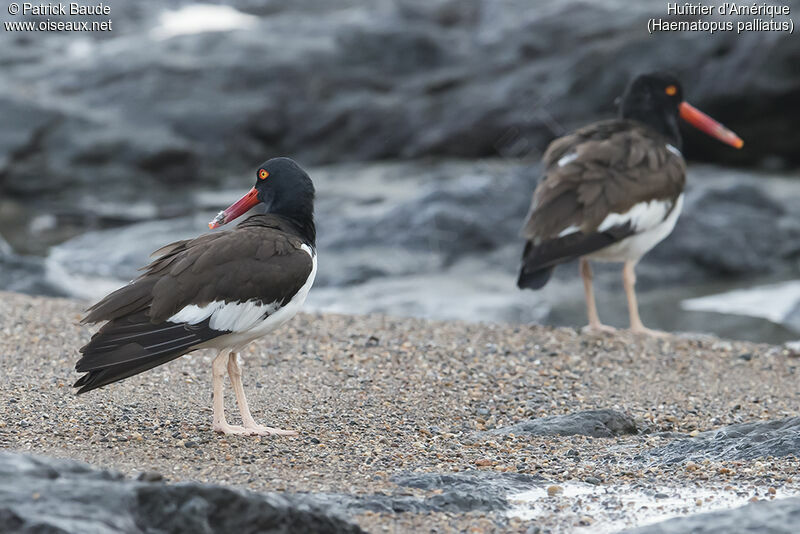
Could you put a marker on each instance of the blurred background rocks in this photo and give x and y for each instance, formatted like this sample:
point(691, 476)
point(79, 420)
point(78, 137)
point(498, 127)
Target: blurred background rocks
point(422, 123)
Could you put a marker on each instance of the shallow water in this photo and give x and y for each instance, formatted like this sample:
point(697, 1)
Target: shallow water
point(606, 509)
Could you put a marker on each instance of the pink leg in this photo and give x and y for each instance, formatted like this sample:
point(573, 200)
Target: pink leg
point(217, 381)
point(250, 426)
point(591, 309)
point(629, 281)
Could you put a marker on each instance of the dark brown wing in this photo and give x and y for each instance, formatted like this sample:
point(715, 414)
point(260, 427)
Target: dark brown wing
point(602, 169)
point(261, 261)
point(606, 168)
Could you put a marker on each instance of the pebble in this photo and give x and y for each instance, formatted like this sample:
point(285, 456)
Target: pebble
point(554, 490)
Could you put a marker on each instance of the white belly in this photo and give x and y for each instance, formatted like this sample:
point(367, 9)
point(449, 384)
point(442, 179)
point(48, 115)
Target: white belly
point(634, 247)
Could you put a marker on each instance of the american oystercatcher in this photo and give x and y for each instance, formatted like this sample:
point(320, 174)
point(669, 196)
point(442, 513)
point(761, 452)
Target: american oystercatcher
point(612, 190)
point(220, 290)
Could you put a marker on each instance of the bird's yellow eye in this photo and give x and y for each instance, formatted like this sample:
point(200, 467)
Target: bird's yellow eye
point(671, 90)
point(262, 174)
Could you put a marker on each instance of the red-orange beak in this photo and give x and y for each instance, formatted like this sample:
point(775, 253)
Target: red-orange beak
point(236, 209)
point(709, 126)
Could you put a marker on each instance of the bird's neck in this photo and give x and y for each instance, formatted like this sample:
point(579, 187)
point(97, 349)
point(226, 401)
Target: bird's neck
point(300, 213)
point(305, 229)
point(664, 123)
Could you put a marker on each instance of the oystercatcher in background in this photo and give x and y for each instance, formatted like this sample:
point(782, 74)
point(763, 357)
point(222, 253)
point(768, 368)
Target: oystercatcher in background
point(221, 290)
point(613, 190)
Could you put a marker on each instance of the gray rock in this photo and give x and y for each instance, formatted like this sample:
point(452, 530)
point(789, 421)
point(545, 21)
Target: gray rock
point(471, 490)
point(721, 233)
point(45, 495)
point(793, 318)
point(459, 492)
point(439, 239)
point(595, 423)
point(349, 80)
point(735, 442)
point(24, 274)
point(766, 517)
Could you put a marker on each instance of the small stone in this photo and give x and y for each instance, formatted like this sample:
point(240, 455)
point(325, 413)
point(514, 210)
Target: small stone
point(150, 476)
point(483, 462)
point(554, 490)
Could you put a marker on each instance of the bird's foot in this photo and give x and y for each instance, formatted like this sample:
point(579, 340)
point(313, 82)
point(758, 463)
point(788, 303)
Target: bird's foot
point(251, 430)
point(598, 328)
point(260, 430)
point(225, 428)
point(643, 330)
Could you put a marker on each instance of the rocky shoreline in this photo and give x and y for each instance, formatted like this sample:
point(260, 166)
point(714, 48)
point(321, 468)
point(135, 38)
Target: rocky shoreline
point(457, 255)
point(413, 425)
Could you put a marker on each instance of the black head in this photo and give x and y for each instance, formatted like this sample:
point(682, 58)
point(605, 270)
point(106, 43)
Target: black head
point(655, 99)
point(283, 188)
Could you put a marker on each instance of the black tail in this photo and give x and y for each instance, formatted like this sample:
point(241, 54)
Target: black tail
point(532, 275)
point(538, 261)
point(130, 345)
point(534, 280)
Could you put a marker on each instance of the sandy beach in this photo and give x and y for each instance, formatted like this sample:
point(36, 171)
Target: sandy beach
point(375, 398)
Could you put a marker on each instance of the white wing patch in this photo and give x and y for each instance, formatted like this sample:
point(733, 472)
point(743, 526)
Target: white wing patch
point(634, 247)
point(674, 150)
point(641, 216)
point(245, 316)
point(572, 229)
point(226, 316)
point(569, 158)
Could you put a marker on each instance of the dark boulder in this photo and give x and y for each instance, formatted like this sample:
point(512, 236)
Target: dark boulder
point(46, 495)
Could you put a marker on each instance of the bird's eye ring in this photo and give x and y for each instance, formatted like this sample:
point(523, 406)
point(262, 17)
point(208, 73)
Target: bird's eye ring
point(671, 90)
point(262, 174)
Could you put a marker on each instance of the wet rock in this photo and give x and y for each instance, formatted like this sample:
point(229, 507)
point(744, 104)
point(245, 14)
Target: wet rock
point(48, 495)
point(446, 246)
point(793, 318)
point(454, 492)
point(594, 423)
point(735, 215)
point(378, 80)
point(773, 517)
point(735, 442)
point(453, 219)
point(24, 274)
